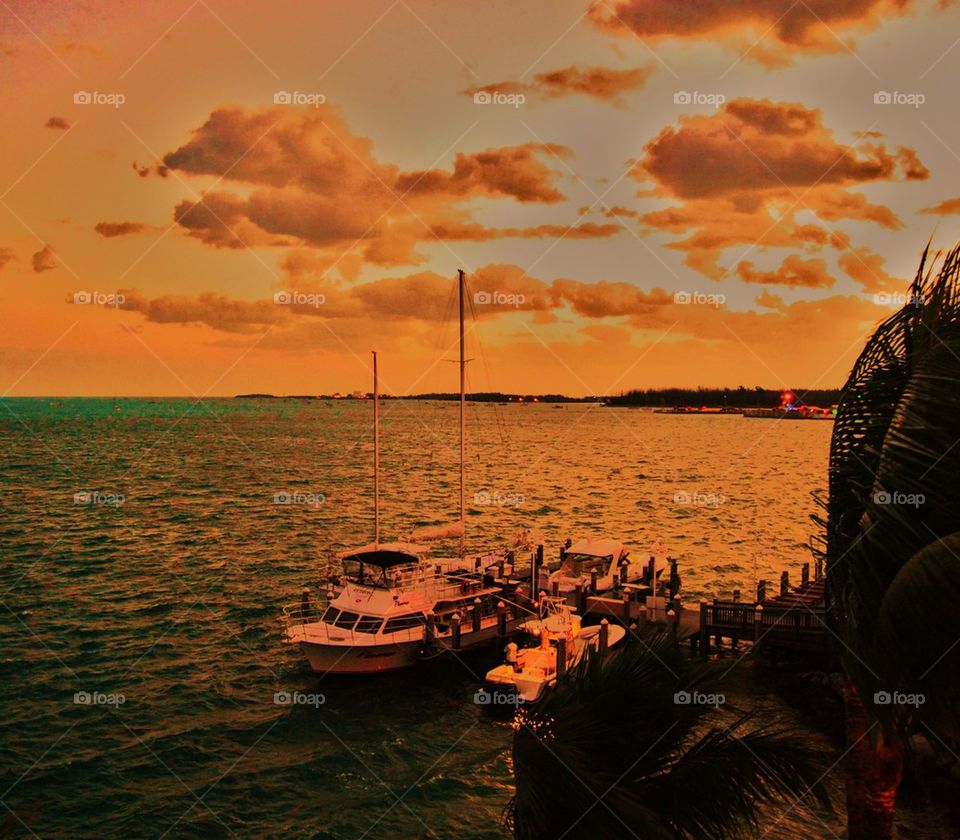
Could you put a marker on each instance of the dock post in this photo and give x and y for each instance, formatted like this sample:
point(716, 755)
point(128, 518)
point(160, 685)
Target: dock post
point(429, 629)
point(476, 615)
point(501, 622)
point(757, 626)
point(625, 614)
point(674, 578)
point(761, 591)
point(561, 656)
point(581, 599)
point(704, 635)
point(537, 566)
point(651, 576)
point(555, 589)
point(476, 564)
point(784, 583)
point(305, 602)
point(805, 574)
point(455, 630)
point(593, 583)
point(672, 623)
point(501, 568)
point(736, 596)
point(677, 608)
point(604, 637)
point(818, 568)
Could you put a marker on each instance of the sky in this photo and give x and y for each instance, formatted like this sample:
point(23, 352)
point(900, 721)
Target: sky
point(202, 198)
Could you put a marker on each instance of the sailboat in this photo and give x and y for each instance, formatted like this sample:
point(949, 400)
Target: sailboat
point(395, 605)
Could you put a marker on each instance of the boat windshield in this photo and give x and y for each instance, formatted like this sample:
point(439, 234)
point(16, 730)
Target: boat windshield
point(374, 568)
point(575, 565)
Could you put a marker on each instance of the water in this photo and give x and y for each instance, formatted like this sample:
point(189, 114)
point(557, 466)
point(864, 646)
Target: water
point(170, 598)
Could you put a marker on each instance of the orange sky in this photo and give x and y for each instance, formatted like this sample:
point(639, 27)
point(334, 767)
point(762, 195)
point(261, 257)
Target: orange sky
point(643, 193)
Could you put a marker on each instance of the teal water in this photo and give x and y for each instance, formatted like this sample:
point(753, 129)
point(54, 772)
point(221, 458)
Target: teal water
point(170, 596)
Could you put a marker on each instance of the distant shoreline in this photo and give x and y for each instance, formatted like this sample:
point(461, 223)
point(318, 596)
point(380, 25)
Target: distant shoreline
point(740, 397)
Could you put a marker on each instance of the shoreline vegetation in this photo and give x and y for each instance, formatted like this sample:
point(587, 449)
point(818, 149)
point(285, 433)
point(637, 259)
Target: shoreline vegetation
point(740, 397)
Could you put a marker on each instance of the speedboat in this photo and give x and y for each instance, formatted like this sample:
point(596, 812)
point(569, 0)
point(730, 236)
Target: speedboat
point(529, 672)
point(604, 558)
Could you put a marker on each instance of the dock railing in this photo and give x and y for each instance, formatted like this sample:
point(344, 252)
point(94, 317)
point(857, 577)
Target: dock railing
point(798, 627)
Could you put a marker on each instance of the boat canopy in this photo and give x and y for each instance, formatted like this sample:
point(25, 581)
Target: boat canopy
point(598, 548)
point(383, 555)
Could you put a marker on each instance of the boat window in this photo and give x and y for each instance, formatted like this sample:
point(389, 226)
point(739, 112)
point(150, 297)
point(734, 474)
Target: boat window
point(364, 574)
point(346, 620)
point(404, 622)
point(330, 616)
point(368, 624)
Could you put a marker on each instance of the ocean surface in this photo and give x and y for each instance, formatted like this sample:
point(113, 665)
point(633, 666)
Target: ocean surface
point(145, 558)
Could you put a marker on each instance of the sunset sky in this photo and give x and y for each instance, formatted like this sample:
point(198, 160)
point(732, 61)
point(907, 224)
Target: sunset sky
point(648, 192)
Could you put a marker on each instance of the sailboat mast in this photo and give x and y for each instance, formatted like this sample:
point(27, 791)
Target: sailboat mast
point(463, 416)
point(376, 454)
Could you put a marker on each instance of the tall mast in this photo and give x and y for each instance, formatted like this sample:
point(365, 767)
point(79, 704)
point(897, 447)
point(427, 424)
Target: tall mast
point(376, 454)
point(463, 417)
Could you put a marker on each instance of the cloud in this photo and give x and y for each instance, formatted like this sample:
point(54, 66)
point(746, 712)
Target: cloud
point(603, 83)
point(111, 229)
point(793, 271)
point(948, 207)
point(58, 123)
point(867, 268)
point(44, 260)
point(771, 32)
point(308, 180)
point(741, 176)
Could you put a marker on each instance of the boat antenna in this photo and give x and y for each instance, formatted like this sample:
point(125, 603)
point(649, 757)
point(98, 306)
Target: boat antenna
point(376, 454)
point(463, 415)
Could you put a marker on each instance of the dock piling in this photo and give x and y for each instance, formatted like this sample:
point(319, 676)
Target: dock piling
point(455, 631)
point(761, 591)
point(561, 656)
point(501, 622)
point(784, 583)
point(305, 602)
point(476, 615)
point(805, 574)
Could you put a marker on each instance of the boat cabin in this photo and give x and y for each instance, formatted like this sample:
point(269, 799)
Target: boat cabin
point(585, 557)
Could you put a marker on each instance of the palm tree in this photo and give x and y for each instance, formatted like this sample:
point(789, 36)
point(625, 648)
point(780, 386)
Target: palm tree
point(610, 752)
point(893, 541)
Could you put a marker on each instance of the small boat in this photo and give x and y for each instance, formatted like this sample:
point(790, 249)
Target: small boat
point(529, 672)
point(608, 560)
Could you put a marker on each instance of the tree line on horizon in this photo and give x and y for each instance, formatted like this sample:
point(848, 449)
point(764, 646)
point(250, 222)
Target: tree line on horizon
point(740, 397)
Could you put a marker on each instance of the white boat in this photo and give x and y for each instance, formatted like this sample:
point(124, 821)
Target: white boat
point(608, 559)
point(529, 672)
point(394, 607)
point(394, 604)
